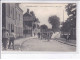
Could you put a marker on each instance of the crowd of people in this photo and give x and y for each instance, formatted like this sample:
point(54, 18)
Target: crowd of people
point(46, 36)
point(8, 39)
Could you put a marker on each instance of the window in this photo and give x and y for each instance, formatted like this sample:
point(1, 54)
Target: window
point(16, 15)
point(9, 9)
point(8, 12)
point(12, 27)
point(9, 27)
point(19, 16)
point(13, 14)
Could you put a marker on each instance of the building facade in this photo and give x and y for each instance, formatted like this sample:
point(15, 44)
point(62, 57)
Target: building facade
point(30, 23)
point(12, 18)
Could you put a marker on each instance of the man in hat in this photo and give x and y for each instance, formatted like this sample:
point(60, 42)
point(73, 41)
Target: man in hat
point(5, 38)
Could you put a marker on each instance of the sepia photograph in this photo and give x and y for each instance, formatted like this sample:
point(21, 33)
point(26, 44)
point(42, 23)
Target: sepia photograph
point(39, 27)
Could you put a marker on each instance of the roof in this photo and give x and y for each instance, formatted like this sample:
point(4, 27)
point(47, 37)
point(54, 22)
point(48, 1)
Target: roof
point(29, 17)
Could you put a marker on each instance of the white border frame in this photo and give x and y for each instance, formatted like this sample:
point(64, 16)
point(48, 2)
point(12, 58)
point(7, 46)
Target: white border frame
point(46, 54)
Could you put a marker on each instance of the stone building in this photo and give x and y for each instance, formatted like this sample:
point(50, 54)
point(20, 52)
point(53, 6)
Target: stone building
point(30, 23)
point(12, 18)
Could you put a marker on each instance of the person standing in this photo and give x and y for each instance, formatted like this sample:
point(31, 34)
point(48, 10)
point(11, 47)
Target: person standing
point(5, 38)
point(12, 38)
point(68, 37)
point(38, 35)
point(48, 36)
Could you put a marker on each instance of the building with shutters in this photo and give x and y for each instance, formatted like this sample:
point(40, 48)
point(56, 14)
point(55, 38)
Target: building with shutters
point(12, 18)
point(30, 24)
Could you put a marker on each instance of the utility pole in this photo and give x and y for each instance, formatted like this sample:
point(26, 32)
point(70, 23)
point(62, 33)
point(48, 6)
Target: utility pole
point(63, 20)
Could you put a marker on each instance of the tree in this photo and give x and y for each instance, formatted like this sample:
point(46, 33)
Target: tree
point(66, 27)
point(36, 20)
point(54, 21)
point(70, 24)
point(71, 11)
point(34, 26)
point(71, 20)
point(32, 13)
point(43, 27)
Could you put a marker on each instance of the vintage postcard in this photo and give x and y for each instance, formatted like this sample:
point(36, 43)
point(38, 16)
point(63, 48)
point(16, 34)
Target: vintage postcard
point(39, 27)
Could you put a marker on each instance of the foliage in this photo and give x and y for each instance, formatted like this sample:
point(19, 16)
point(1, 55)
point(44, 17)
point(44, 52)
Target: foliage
point(54, 21)
point(32, 13)
point(66, 26)
point(36, 20)
point(43, 27)
point(34, 26)
point(71, 21)
point(71, 11)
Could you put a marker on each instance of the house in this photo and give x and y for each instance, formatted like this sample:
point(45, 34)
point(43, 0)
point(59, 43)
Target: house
point(12, 18)
point(30, 23)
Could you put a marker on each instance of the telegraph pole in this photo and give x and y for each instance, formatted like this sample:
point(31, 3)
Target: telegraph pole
point(63, 20)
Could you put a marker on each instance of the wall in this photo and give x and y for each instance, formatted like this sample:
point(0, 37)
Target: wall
point(13, 21)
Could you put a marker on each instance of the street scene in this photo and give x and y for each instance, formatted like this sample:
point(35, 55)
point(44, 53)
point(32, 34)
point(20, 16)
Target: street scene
point(39, 27)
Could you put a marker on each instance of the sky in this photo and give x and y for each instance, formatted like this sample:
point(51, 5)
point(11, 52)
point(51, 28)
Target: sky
point(43, 11)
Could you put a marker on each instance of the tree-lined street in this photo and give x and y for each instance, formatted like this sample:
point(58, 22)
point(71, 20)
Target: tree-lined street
point(35, 44)
point(44, 45)
point(29, 31)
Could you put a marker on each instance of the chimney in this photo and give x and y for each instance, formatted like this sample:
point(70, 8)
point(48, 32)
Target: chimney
point(27, 10)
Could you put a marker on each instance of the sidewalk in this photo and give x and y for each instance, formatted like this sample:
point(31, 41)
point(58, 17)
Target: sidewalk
point(17, 43)
point(69, 42)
